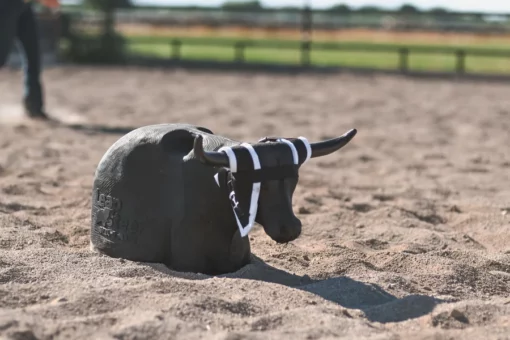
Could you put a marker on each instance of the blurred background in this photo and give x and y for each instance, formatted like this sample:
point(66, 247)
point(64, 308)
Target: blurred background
point(464, 37)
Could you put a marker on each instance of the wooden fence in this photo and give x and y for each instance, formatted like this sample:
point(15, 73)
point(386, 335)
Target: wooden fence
point(306, 48)
point(293, 19)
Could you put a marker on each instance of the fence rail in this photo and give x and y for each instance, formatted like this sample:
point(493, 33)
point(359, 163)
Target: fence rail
point(305, 48)
point(453, 22)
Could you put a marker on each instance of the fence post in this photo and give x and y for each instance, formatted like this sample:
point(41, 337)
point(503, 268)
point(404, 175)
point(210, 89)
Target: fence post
point(404, 59)
point(306, 34)
point(239, 51)
point(176, 49)
point(461, 61)
point(305, 53)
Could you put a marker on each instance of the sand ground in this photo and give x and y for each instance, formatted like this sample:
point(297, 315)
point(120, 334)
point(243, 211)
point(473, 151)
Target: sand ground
point(406, 231)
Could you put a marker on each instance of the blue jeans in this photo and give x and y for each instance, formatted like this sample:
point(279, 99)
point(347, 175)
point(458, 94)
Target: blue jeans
point(18, 24)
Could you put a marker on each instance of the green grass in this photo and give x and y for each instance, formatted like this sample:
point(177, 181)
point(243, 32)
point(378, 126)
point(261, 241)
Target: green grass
point(377, 60)
point(366, 55)
point(277, 42)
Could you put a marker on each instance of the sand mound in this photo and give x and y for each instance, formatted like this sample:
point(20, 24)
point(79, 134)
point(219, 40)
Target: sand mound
point(406, 232)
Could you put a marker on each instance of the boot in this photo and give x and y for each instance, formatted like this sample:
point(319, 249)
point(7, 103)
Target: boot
point(34, 112)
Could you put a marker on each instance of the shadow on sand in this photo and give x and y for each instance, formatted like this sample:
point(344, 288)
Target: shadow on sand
point(377, 304)
point(91, 129)
point(95, 129)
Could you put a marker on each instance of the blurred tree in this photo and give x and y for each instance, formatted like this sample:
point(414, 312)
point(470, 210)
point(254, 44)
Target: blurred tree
point(291, 9)
point(101, 4)
point(248, 5)
point(408, 9)
point(438, 11)
point(340, 8)
point(441, 14)
point(369, 10)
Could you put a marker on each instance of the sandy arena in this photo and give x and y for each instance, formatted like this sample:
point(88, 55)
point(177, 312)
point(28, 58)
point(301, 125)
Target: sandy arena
point(406, 231)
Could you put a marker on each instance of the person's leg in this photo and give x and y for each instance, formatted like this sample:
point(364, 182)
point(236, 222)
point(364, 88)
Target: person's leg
point(29, 42)
point(9, 13)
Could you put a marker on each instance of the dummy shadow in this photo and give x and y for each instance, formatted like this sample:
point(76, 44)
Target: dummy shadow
point(95, 129)
point(92, 129)
point(377, 304)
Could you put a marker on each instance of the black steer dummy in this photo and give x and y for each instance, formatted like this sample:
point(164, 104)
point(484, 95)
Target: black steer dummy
point(180, 195)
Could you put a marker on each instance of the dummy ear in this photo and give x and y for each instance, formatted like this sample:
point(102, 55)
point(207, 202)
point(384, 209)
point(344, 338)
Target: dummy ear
point(212, 158)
